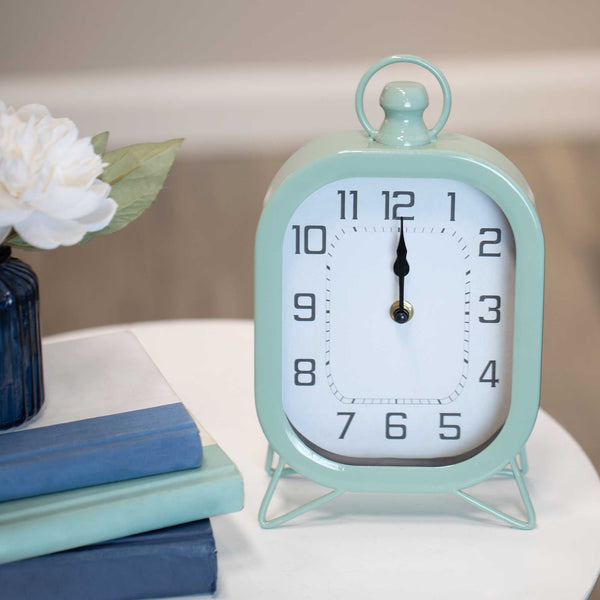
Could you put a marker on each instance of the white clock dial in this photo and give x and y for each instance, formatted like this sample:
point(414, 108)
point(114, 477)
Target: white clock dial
point(359, 386)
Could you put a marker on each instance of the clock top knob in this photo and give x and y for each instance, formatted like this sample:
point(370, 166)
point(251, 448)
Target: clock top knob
point(403, 103)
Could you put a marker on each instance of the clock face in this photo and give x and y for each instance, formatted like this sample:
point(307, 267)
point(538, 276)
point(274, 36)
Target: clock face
point(366, 382)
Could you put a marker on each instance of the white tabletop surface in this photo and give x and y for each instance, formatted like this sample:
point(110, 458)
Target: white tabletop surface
point(377, 545)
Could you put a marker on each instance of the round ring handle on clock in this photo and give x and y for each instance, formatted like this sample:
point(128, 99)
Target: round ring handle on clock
point(403, 58)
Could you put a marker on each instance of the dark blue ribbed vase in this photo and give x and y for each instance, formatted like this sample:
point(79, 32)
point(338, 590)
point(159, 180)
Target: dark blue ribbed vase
point(21, 379)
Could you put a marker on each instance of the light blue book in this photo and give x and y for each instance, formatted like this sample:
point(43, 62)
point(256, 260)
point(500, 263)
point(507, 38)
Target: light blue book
point(107, 375)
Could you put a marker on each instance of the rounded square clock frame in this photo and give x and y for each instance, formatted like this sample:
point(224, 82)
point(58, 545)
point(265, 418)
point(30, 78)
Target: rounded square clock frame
point(450, 156)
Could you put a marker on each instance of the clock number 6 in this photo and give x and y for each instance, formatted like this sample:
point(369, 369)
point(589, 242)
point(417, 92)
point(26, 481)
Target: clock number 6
point(304, 371)
point(395, 431)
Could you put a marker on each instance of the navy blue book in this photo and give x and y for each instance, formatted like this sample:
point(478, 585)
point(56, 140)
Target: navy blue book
point(109, 416)
point(177, 561)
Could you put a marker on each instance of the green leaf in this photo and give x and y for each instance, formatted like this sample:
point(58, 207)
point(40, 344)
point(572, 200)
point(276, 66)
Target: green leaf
point(17, 242)
point(136, 174)
point(99, 142)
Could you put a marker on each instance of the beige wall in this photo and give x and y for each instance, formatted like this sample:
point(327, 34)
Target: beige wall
point(42, 35)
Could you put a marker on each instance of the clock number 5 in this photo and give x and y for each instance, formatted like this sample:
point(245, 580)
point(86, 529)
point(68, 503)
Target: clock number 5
point(448, 426)
point(304, 371)
point(409, 201)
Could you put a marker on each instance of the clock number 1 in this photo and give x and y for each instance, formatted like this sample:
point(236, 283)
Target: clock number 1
point(354, 195)
point(452, 196)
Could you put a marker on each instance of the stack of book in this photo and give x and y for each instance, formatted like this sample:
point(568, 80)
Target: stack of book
point(107, 492)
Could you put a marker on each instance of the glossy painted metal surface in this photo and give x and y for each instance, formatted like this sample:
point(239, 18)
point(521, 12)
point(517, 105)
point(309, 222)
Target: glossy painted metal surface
point(21, 380)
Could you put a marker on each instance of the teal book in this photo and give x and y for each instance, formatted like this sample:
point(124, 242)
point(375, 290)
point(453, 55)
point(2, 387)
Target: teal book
point(95, 377)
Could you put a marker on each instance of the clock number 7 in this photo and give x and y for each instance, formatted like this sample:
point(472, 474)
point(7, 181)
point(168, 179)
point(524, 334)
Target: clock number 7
point(350, 416)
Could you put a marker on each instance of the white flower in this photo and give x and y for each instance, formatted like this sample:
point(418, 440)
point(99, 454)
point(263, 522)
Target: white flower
point(49, 187)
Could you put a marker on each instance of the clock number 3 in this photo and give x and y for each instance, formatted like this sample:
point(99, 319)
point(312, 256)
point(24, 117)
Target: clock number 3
point(495, 318)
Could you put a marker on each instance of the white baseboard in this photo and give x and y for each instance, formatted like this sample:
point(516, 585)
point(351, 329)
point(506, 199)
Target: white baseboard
point(245, 108)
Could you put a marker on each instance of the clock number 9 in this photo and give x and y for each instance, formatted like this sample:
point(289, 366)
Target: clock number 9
point(304, 371)
point(310, 306)
point(410, 201)
point(395, 431)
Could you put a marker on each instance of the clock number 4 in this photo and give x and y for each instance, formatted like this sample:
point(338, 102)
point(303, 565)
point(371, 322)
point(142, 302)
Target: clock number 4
point(353, 194)
point(312, 241)
point(391, 210)
point(489, 374)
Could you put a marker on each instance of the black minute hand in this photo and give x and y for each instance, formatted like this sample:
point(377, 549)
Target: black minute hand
point(401, 269)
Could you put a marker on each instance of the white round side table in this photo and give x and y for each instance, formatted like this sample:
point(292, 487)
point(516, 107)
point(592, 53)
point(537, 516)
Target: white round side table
point(384, 545)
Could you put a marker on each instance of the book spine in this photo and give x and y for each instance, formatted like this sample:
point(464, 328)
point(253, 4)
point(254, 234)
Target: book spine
point(55, 522)
point(96, 451)
point(177, 561)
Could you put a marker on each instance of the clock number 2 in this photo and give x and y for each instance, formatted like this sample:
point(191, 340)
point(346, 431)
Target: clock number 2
point(484, 243)
point(393, 213)
point(304, 371)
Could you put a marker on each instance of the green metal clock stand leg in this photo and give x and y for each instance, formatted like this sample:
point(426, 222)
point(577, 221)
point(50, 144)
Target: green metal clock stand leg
point(276, 474)
point(515, 470)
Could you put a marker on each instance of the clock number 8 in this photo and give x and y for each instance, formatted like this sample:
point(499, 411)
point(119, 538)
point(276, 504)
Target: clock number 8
point(302, 374)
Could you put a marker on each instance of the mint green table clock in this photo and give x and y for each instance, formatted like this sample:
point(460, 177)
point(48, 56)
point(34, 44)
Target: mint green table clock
point(398, 310)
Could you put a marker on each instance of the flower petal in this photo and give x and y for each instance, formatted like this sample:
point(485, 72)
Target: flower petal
point(4, 231)
point(33, 110)
point(46, 233)
point(10, 210)
point(100, 218)
point(68, 202)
